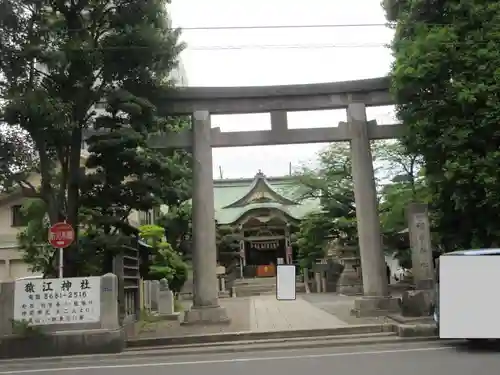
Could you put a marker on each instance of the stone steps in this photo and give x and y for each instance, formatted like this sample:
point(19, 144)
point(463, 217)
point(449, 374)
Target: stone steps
point(247, 284)
point(259, 287)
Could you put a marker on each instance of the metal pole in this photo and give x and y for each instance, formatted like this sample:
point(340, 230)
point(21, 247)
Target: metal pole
point(61, 264)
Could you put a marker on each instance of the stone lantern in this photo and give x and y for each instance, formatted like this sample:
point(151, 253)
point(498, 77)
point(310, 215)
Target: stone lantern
point(350, 281)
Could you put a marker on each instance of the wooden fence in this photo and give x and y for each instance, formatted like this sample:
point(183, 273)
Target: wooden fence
point(126, 267)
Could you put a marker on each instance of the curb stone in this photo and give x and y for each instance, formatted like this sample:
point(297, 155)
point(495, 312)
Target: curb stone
point(247, 336)
point(416, 330)
point(397, 334)
point(256, 341)
point(226, 349)
point(402, 330)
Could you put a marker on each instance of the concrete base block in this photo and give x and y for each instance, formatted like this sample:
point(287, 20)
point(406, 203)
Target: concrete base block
point(206, 315)
point(131, 326)
point(62, 343)
point(417, 302)
point(350, 290)
point(161, 317)
point(411, 319)
point(375, 306)
point(417, 330)
point(173, 317)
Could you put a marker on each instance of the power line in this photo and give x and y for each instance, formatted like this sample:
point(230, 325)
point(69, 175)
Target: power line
point(284, 46)
point(227, 47)
point(309, 26)
point(265, 27)
point(254, 47)
point(313, 46)
point(277, 27)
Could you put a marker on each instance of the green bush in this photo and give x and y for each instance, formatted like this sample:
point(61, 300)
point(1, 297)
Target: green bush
point(166, 263)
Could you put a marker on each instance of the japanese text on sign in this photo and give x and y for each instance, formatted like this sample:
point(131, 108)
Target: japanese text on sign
point(58, 301)
point(62, 236)
point(422, 249)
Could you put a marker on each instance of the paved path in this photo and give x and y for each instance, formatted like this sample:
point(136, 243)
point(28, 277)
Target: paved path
point(400, 359)
point(269, 314)
point(340, 306)
point(265, 313)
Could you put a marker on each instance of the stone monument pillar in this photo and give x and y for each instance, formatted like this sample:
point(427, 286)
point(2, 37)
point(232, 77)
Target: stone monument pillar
point(420, 243)
point(376, 300)
point(205, 307)
point(418, 302)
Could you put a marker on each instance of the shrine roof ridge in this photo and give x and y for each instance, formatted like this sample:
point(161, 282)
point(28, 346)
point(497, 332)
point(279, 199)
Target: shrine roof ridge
point(249, 180)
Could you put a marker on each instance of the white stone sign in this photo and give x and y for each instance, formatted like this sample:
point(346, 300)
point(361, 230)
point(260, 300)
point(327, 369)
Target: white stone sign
point(58, 301)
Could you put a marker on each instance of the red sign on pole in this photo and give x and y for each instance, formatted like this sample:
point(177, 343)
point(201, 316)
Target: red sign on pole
point(61, 235)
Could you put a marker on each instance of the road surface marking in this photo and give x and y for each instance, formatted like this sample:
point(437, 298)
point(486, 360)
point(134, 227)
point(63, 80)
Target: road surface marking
point(127, 356)
point(205, 362)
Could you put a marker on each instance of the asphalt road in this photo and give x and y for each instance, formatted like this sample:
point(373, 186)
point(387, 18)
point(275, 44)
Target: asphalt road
point(397, 359)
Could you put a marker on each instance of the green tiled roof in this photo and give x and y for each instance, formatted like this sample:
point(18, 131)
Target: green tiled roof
point(228, 192)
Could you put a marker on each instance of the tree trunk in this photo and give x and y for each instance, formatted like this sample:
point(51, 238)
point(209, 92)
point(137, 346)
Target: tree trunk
point(71, 255)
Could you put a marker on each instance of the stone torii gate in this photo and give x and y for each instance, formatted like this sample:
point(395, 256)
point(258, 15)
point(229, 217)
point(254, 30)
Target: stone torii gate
point(354, 96)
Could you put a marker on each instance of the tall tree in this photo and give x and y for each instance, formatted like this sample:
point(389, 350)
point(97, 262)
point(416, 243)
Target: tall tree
point(331, 183)
point(58, 59)
point(397, 165)
point(404, 184)
point(446, 87)
point(398, 182)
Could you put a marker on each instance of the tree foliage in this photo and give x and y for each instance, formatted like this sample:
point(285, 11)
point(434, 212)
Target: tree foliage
point(398, 183)
point(177, 224)
point(33, 239)
point(166, 263)
point(58, 61)
point(312, 238)
point(405, 184)
point(18, 158)
point(39, 255)
point(445, 82)
point(228, 245)
point(332, 185)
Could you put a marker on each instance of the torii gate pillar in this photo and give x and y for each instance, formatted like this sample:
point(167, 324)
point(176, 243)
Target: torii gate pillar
point(376, 299)
point(206, 308)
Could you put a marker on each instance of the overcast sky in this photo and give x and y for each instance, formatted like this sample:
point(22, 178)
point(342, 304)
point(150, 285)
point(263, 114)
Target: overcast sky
point(277, 57)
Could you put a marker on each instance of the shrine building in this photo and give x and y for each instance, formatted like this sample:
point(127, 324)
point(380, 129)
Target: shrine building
point(265, 211)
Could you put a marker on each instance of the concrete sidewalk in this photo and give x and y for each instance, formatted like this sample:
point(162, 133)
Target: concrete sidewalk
point(269, 314)
point(340, 306)
point(321, 318)
point(260, 314)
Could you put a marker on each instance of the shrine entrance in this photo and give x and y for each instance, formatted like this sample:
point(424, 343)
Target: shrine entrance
point(278, 101)
point(265, 242)
point(263, 249)
point(264, 252)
